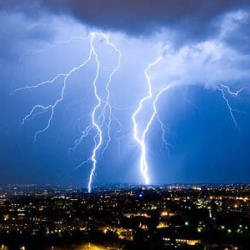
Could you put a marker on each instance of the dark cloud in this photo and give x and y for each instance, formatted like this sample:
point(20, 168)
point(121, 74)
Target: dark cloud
point(194, 18)
point(239, 37)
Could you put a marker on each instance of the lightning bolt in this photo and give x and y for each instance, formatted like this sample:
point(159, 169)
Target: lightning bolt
point(148, 125)
point(39, 108)
point(107, 105)
point(163, 127)
point(97, 121)
point(141, 139)
point(225, 89)
point(98, 138)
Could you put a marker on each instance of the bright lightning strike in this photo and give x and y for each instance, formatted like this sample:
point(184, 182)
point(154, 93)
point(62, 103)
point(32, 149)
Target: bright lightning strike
point(51, 107)
point(225, 89)
point(150, 121)
point(141, 139)
point(97, 121)
point(98, 138)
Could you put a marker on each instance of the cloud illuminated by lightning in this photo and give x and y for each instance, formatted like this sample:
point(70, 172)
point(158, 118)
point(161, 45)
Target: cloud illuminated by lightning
point(97, 121)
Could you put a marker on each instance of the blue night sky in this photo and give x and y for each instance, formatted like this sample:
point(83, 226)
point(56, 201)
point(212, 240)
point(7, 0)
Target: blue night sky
point(205, 48)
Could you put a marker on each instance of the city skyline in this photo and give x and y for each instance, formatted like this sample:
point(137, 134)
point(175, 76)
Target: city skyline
point(125, 217)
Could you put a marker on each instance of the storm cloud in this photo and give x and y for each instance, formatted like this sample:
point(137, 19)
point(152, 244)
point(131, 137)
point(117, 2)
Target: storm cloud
point(193, 19)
